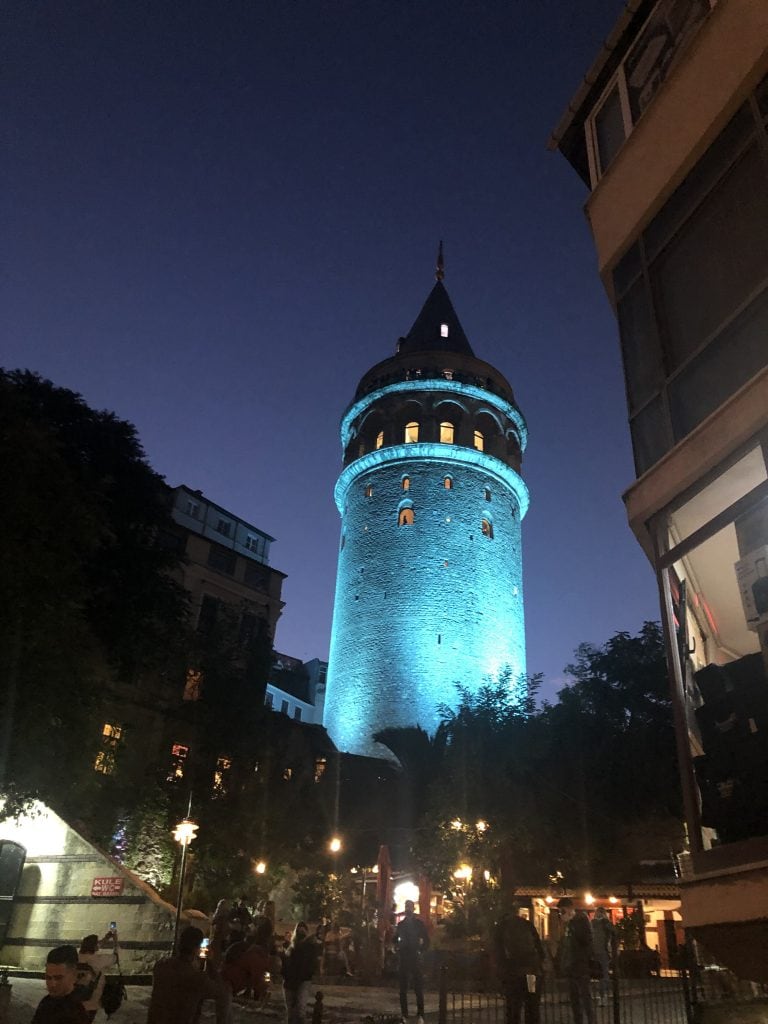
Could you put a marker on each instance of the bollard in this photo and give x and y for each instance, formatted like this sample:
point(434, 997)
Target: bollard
point(442, 1005)
point(317, 1009)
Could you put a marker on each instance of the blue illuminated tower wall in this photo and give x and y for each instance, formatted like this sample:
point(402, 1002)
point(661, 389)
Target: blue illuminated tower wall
point(429, 586)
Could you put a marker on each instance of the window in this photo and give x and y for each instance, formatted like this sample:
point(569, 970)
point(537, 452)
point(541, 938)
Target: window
point(287, 774)
point(222, 559)
point(321, 764)
point(255, 576)
point(411, 432)
point(487, 493)
point(209, 611)
point(406, 483)
point(405, 518)
point(479, 441)
point(193, 509)
point(179, 755)
point(284, 707)
point(297, 713)
point(254, 543)
point(268, 699)
point(369, 490)
point(193, 684)
point(221, 776)
point(448, 483)
point(446, 432)
point(487, 528)
point(609, 130)
point(111, 735)
point(443, 330)
point(380, 439)
point(224, 527)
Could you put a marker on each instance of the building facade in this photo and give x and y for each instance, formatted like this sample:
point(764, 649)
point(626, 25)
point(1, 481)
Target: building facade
point(429, 584)
point(669, 130)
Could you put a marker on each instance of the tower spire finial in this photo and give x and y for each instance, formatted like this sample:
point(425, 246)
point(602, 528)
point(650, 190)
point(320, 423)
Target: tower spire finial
point(440, 268)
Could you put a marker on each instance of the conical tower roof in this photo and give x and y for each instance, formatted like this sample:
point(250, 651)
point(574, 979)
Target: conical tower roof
point(437, 327)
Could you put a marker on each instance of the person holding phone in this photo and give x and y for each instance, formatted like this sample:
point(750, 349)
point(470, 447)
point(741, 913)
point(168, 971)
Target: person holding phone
point(92, 965)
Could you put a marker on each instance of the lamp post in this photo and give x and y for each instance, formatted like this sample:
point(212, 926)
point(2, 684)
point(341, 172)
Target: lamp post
point(183, 833)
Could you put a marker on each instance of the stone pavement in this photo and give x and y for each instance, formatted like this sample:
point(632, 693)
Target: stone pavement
point(342, 1003)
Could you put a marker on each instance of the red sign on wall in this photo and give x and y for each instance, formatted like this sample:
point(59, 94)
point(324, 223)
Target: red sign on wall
point(107, 886)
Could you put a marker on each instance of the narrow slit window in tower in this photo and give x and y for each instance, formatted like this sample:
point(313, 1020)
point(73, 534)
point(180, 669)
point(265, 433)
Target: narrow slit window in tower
point(380, 439)
point(487, 493)
point(487, 527)
point(411, 432)
point(406, 483)
point(448, 483)
point(479, 441)
point(405, 518)
point(369, 490)
point(446, 433)
point(443, 330)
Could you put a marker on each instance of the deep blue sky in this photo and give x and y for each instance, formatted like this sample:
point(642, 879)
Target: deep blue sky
point(219, 215)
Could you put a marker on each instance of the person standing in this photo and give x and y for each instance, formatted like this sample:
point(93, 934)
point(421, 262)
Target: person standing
point(298, 967)
point(179, 986)
point(62, 1005)
point(602, 937)
point(520, 965)
point(574, 955)
point(411, 942)
point(96, 963)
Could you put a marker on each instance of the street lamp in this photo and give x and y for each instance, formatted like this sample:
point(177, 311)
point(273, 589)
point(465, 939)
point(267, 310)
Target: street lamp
point(183, 833)
point(261, 867)
point(335, 844)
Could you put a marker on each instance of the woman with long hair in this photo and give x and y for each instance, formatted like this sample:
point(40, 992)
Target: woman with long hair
point(298, 967)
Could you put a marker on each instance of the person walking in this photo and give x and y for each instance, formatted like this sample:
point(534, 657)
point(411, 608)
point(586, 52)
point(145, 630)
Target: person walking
point(520, 965)
point(411, 942)
point(602, 940)
point(574, 955)
point(299, 965)
point(91, 967)
point(179, 987)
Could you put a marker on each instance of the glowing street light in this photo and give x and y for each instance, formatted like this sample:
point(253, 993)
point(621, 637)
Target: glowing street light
point(463, 871)
point(549, 900)
point(183, 833)
point(457, 824)
point(482, 826)
point(612, 900)
point(589, 899)
point(335, 844)
point(261, 867)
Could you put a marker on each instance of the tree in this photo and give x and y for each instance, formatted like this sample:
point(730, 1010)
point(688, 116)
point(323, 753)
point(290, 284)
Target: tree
point(86, 592)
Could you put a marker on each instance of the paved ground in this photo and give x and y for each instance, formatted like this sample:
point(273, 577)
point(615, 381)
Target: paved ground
point(341, 1003)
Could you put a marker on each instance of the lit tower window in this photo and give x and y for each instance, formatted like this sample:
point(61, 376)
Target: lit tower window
point(411, 432)
point(446, 432)
point(479, 441)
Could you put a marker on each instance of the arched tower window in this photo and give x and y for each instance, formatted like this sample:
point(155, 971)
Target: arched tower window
point(406, 483)
point(487, 493)
point(380, 439)
point(448, 483)
point(487, 528)
point(411, 432)
point(479, 440)
point(369, 490)
point(446, 432)
point(405, 517)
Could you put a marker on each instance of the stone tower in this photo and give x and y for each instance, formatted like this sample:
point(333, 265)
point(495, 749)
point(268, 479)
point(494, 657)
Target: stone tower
point(429, 584)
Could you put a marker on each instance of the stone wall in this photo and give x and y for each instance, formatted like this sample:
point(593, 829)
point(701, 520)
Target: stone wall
point(56, 904)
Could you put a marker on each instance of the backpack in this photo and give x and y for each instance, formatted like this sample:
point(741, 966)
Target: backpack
point(113, 995)
point(87, 980)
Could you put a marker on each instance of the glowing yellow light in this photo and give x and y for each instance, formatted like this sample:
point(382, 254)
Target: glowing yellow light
point(261, 867)
point(487, 875)
point(589, 899)
point(335, 845)
point(612, 899)
point(185, 832)
point(463, 871)
point(375, 869)
point(481, 826)
point(549, 900)
point(457, 824)
point(353, 871)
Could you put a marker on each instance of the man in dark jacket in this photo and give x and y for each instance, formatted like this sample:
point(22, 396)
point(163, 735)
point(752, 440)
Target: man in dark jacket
point(520, 965)
point(411, 941)
point(62, 1005)
point(179, 987)
point(574, 956)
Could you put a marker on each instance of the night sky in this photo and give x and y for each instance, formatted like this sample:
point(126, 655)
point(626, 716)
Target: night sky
point(217, 216)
